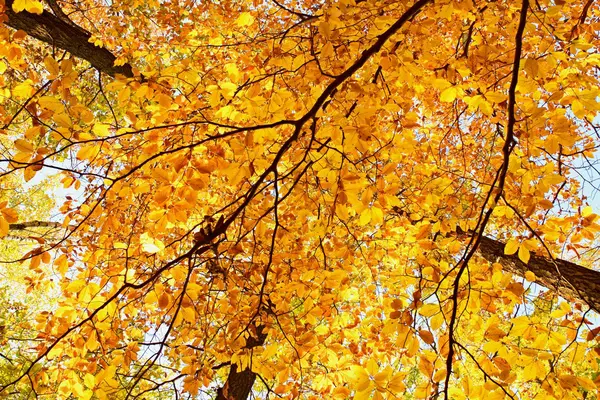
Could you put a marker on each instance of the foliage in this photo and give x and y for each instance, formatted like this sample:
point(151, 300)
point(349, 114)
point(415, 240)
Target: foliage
point(289, 196)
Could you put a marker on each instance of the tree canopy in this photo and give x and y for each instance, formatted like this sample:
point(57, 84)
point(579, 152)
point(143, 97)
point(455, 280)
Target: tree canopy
point(307, 199)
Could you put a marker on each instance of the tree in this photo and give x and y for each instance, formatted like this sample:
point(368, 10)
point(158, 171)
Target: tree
point(308, 199)
point(20, 299)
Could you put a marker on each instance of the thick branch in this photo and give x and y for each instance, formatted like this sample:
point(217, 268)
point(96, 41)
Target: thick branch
point(239, 383)
point(21, 226)
point(52, 30)
point(61, 15)
point(564, 277)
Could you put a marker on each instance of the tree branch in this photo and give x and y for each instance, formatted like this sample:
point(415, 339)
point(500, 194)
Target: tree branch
point(57, 10)
point(564, 277)
point(239, 383)
point(21, 226)
point(52, 30)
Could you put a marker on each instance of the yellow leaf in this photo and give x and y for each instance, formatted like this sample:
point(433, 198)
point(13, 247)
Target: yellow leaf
point(372, 367)
point(531, 67)
point(586, 211)
point(494, 333)
point(568, 382)
point(142, 91)
point(63, 120)
point(10, 214)
point(156, 214)
point(396, 384)
point(162, 195)
point(492, 347)
point(524, 254)
point(76, 286)
point(359, 377)
point(52, 67)
point(561, 311)
point(439, 375)
point(65, 388)
point(66, 65)
point(23, 146)
point(427, 310)
point(381, 378)
point(50, 103)
point(495, 97)
point(4, 227)
point(28, 174)
point(78, 390)
point(31, 6)
point(327, 50)
point(448, 95)
point(62, 264)
point(341, 393)
point(89, 380)
point(151, 298)
point(189, 314)
point(101, 130)
point(325, 29)
point(511, 247)
point(161, 175)
point(426, 336)
point(365, 217)
point(586, 383)
point(376, 215)
point(363, 395)
point(530, 276)
point(425, 366)
point(141, 186)
point(164, 100)
point(245, 19)
point(486, 108)
point(88, 152)
point(124, 94)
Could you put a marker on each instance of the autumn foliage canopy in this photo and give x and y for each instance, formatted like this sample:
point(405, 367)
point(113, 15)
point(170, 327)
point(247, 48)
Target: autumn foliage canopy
point(303, 199)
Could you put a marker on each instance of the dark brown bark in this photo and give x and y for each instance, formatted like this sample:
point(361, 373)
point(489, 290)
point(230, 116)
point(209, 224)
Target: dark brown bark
point(239, 383)
point(568, 279)
point(56, 32)
point(34, 224)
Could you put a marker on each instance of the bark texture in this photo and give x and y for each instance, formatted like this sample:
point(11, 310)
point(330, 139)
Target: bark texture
point(568, 279)
point(59, 33)
point(239, 383)
point(33, 224)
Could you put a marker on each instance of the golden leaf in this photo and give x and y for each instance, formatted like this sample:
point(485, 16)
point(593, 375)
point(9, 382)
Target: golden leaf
point(51, 66)
point(245, 19)
point(511, 247)
point(523, 253)
point(164, 300)
point(426, 336)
